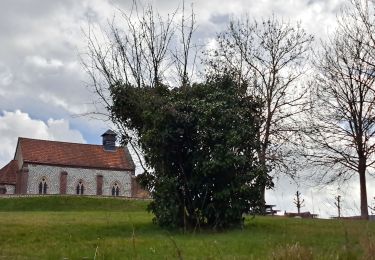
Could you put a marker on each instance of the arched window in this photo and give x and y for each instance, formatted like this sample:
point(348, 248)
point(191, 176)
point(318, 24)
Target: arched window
point(3, 190)
point(80, 188)
point(115, 189)
point(43, 187)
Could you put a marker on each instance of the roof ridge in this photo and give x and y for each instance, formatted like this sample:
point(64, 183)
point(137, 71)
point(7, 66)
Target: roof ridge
point(56, 141)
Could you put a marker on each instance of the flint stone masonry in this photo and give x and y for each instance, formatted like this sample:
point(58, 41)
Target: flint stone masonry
point(11, 189)
point(52, 174)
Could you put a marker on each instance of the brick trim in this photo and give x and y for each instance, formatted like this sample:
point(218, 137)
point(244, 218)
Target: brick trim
point(99, 184)
point(25, 177)
point(21, 181)
point(63, 182)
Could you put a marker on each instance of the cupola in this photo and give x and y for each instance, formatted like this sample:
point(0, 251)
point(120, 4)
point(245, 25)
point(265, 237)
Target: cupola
point(109, 140)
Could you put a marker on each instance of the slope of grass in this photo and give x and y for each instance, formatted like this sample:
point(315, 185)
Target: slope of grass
point(71, 203)
point(88, 228)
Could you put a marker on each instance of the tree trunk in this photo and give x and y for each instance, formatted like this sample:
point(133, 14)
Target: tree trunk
point(263, 161)
point(262, 184)
point(362, 183)
point(263, 200)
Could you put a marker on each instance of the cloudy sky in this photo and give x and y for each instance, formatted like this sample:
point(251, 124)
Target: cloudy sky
point(43, 87)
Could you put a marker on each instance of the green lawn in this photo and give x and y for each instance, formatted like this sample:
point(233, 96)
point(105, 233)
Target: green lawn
point(80, 228)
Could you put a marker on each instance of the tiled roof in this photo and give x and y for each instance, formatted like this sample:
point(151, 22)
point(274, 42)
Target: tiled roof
point(8, 173)
point(74, 155)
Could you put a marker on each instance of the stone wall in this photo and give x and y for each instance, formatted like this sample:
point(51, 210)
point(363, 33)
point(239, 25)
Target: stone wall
point(52, 174)
point(11, 189)
point(7, 189)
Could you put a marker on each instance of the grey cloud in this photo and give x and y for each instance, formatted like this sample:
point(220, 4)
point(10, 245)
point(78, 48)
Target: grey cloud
point(39, 54)
point(49, 32)
point(21, 16)
point(311, 2)
point(220, 19)
point(91, 15)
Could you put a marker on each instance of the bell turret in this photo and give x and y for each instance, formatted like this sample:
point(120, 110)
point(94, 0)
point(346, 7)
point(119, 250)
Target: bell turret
point(109, 140)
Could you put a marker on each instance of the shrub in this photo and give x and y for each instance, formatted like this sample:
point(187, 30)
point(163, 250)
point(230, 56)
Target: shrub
point(201, 143)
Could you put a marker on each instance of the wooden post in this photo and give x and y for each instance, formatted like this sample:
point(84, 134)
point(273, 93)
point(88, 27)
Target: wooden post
point(338, 205)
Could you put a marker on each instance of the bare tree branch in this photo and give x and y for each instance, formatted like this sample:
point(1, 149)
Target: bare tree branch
point(341, 124)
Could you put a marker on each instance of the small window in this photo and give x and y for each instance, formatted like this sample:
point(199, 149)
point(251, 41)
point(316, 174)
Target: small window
point(115, 189)
point(80, 188)
point(43, 187)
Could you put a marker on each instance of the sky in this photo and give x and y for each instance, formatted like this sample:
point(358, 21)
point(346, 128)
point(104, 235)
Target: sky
point(44, 90)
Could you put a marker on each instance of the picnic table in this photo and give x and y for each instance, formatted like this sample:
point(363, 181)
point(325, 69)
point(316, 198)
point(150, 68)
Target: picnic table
point(270, 210)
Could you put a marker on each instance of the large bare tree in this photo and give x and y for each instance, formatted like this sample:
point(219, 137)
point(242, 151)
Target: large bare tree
point(342, 120)
point(135, 52)
point(142, 48)
point(271, 55)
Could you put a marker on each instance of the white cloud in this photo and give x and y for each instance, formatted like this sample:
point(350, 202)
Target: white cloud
point(44, 63)
point(53, 100)
point(19, 124)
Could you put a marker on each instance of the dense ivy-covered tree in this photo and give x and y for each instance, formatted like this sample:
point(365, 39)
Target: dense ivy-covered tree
point(201, 142)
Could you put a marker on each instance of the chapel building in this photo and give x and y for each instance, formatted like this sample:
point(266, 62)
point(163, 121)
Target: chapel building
point(51, 167)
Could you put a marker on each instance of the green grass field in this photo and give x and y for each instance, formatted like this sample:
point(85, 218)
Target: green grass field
point(87, 228)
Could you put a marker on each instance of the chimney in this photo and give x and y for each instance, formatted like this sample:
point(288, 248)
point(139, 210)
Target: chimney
point(109, 140)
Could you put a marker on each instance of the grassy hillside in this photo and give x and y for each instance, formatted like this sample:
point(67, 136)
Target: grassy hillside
point(84, 228)
point(71, 203)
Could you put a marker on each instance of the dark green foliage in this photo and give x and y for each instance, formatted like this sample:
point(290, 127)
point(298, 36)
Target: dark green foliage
point(201, 143)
